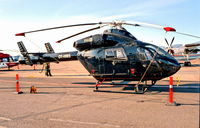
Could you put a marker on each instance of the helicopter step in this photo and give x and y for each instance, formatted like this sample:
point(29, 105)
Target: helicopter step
point(98, 84)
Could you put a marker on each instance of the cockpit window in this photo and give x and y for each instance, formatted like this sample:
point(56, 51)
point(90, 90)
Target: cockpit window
point(160, 51)
point(115, 54)
point(144, 54)
point(5, 59)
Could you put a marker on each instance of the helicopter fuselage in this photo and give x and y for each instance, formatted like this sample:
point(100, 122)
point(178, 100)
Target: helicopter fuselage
point(117, 55)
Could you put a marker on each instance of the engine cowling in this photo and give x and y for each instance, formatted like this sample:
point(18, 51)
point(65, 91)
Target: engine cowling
point(95, 41)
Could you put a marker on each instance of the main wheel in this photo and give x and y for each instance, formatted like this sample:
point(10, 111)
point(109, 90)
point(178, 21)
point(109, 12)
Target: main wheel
point(187, 63)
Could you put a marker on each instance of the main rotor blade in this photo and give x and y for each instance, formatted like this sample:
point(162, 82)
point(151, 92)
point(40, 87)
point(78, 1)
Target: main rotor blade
point(167, 29)
point(188, 34)
point(88, 30)
point(167, 42)
point(86, 24)
point(172, 41)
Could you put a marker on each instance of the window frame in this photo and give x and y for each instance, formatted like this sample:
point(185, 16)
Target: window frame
point(116, 54)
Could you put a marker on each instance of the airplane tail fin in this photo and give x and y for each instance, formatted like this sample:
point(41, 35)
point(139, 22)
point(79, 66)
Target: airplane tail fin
point(25, 53)
point(49, 48)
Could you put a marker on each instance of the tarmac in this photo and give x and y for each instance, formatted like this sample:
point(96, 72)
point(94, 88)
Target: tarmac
point(67, 100)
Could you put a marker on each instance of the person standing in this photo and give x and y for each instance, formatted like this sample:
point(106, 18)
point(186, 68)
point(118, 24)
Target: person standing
point(47, 69)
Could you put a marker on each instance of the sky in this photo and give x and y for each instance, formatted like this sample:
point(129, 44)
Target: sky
point(26, 15)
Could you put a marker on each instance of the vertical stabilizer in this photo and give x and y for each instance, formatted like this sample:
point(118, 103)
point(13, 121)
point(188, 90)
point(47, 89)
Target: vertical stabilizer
point(49, 48)
point(24, 52)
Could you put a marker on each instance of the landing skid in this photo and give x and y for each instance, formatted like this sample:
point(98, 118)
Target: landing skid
point(138, 88)
point(141, 89)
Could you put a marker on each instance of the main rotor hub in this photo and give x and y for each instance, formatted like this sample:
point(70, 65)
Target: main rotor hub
point(117, 24)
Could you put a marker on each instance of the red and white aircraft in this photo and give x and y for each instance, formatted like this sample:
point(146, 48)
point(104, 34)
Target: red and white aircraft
point(6, 61)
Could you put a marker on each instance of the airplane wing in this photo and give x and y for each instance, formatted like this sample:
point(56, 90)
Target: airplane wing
point(190, 52)
point(193, 44)
point(193, 48)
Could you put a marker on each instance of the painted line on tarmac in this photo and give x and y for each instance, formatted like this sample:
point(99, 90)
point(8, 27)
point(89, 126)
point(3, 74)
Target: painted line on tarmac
point(55, 76)
point(41, 83)
point(87, 123)
point(180, 86)
point(4, 118)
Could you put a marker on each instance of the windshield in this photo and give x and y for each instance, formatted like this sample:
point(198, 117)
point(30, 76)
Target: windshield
point(159, 50)
point(144, 54)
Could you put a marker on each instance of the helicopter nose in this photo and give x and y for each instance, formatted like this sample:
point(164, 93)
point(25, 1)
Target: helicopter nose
point(169, 67)
point(175, 68)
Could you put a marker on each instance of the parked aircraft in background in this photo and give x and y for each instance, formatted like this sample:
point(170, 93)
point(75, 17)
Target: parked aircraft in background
point(184, 53)
point(6, 61)
point(43, 57)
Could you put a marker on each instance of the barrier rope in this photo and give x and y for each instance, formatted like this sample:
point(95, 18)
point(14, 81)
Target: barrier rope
point(146, 70)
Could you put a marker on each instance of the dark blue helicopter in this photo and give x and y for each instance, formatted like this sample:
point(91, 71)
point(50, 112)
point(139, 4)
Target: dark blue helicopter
point(118, 55)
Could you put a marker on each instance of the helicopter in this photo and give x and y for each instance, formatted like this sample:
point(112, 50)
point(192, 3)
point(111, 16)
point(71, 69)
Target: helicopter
point(117, 55)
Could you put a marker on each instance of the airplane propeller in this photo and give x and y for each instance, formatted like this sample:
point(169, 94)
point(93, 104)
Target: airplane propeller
point(170, 48)
point(167, 42)
point(172, 41)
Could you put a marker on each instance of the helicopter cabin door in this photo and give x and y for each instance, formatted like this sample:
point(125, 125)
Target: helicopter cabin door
point(116, 62)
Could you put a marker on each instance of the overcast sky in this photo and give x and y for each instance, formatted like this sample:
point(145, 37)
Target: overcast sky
point(26, 15)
